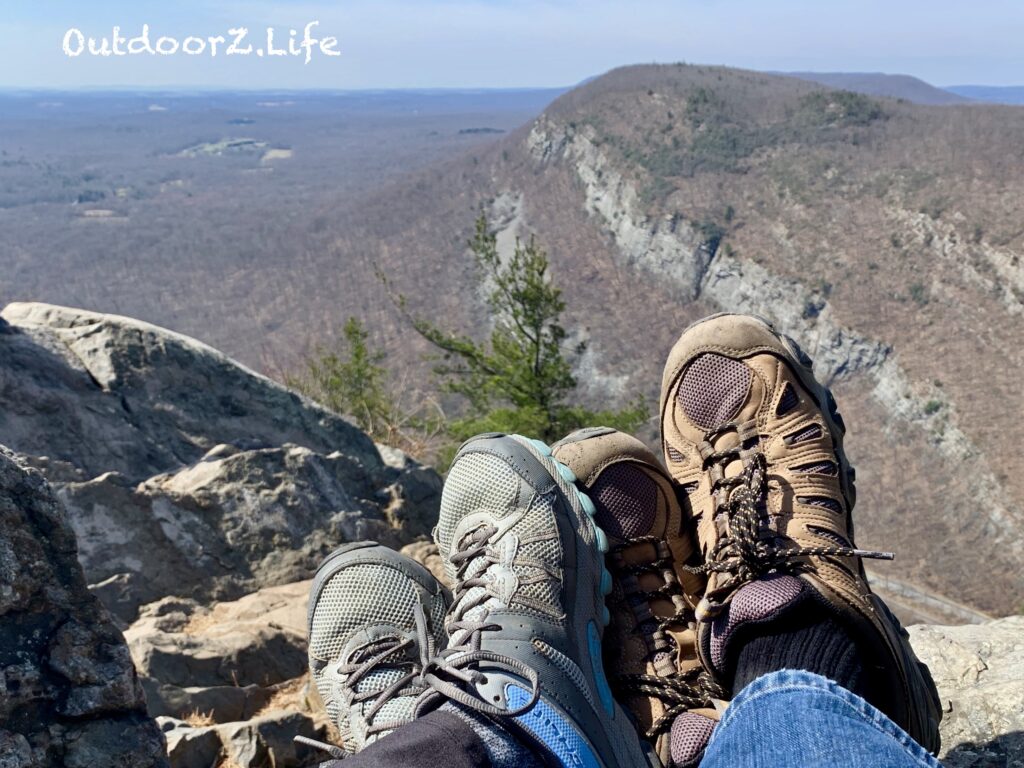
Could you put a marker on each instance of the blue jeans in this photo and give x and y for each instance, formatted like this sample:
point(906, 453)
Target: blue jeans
point(794, 719)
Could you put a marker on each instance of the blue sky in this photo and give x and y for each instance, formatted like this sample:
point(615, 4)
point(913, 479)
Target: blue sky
point(511, 43)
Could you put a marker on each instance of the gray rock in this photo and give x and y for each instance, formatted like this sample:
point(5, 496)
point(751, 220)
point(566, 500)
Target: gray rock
point(236, 521)
point(259, 640)
point(394, 457)
point(119, 742)
point(225, 662)
point(221, 703)
point(193, 747)
point(269, 741)
point(411, 501)
point(259, 743)
point(185, 473)
point(15, 751)
point(68, 692)
point(110, 394)
point(979, 671)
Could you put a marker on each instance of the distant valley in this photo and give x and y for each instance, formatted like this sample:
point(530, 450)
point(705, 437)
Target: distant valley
point(884, 234)
point(1011, 94)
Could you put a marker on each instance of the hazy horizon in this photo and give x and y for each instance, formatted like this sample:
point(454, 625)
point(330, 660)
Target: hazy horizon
point(497, 44)
point(184, 89)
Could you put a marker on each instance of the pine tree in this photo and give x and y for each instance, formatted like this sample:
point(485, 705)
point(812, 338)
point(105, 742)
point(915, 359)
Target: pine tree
point(351, 382)
point(520, 379)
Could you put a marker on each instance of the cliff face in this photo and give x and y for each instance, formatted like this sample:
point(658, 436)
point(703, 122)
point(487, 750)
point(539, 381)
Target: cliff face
point(69, 694)
point(698, 267)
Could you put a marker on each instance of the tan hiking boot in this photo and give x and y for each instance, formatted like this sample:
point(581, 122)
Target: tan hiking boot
point(756, 443)
point(650, 653)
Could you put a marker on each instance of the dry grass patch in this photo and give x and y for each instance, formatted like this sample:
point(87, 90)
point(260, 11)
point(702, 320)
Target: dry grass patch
point(290, 695)
point(197, 719)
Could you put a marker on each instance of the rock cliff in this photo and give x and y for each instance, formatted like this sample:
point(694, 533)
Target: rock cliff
point(69, 694)
point(185, 473)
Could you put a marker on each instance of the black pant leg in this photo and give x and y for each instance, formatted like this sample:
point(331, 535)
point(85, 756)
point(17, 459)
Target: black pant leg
point(436, 740)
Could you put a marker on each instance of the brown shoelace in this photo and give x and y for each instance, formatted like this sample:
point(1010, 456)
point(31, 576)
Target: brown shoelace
point(680, 691)
point(746, 553)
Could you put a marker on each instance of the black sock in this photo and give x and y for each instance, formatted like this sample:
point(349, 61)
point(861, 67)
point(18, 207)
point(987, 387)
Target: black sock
point(807, 638)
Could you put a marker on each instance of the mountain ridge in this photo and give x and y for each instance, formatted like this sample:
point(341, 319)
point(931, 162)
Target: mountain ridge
point(873, 231)
point(893, 86)
point(885, 235)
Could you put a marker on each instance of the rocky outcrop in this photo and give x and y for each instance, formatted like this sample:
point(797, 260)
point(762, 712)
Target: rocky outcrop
point(202, 494)
point(184, 473)
point(226, 661)
point(268, 740)
point(68, 692)
point(979, 671)
point(228, 682)
point(96, 393)
point(234, 521)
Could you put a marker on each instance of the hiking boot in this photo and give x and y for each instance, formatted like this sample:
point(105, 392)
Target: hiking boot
point(519, 542)
point(650, 645)
point(756, 443)
point(374, 616)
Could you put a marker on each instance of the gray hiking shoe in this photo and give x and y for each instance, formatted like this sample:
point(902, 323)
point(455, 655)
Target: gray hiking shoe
point(519, 542)
point(374, 617)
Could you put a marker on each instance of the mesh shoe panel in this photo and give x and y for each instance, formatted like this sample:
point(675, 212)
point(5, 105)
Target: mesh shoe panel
point(346, 606)
point(756, 601)
point(675, 456)
point(398, 709)
point(822, 501)
point(547, 549)
point(788, 401)
point(690, 735)
point(819, 468)
point(832, 536)
point(713, 389)
point(479, 482)
point(626, 500)
point(812, 432)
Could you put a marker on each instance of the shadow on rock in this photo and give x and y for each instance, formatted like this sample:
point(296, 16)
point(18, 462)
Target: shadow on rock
point(1005, 751)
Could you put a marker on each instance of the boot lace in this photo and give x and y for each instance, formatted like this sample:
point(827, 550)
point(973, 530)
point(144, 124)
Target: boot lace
point(747, 550)
point(457, 667)
point(679, 691)
point(692, 689)
point(387, 653)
